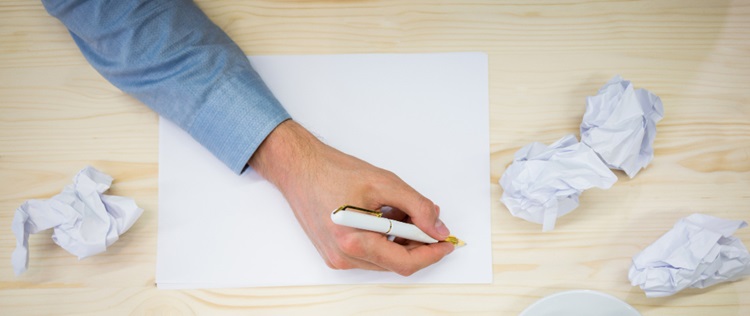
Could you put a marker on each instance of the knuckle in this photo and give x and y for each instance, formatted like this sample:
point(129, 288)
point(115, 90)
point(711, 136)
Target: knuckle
point(426, 204)
point(406, 270)
point(391, 176)
point(331, 263)
point(385, 178)
point(351, 245)
point(338, 262)
point(426, 207)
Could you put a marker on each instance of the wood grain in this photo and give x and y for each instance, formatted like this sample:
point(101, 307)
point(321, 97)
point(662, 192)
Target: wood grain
point(57, 115)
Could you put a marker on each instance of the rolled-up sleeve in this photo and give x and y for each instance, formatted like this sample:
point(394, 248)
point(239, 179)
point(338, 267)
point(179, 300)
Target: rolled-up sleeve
point(171, 57)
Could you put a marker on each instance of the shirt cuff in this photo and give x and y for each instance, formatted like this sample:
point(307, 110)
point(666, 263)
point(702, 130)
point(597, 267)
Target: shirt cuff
point(236, 118)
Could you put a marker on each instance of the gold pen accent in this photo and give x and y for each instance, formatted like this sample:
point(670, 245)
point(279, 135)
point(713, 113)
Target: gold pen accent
point(358, 209)
point(455, 241)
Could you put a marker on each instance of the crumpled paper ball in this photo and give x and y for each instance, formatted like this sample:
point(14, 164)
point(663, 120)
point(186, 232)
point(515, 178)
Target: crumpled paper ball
point(699, 251)
point(85, 220)
point(544, 182)
point(620, 125)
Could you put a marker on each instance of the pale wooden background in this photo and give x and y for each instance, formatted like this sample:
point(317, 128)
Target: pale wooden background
point(57, 115)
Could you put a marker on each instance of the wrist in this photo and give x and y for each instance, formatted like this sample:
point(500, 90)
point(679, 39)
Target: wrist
point(285, 152)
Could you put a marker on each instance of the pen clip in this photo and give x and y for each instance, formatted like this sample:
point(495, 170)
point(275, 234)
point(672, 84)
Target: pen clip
point(358, 209)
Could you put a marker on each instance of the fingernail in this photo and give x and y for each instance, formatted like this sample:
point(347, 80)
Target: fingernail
point(441, 229)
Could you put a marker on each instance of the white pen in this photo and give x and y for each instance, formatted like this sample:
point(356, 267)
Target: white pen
point(357, 217)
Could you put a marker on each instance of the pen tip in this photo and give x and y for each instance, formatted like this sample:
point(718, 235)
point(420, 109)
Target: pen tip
point(455, 241)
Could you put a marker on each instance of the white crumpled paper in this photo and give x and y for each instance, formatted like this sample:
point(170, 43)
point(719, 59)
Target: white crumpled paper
point(544, 182)
point(620, 125)
point(697, 252)
point(85, 221)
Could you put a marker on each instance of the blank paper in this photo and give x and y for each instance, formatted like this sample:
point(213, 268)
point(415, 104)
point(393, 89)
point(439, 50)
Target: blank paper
point(423, 116)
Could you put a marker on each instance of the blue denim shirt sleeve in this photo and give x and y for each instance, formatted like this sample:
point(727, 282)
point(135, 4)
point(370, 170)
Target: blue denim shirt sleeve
point(170, 56)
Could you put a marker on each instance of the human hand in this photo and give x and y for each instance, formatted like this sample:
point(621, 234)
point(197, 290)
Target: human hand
point(316, 179)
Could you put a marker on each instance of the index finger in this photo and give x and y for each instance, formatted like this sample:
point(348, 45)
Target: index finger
point(422, 211)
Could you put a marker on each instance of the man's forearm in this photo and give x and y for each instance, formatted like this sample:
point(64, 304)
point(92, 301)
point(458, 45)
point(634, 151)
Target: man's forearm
point(170, 56)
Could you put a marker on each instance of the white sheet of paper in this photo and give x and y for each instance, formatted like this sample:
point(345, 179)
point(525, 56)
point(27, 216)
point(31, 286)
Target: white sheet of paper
point(423, 116)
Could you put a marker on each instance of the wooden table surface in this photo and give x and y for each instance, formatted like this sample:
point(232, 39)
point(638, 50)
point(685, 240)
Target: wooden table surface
point(57, 114)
